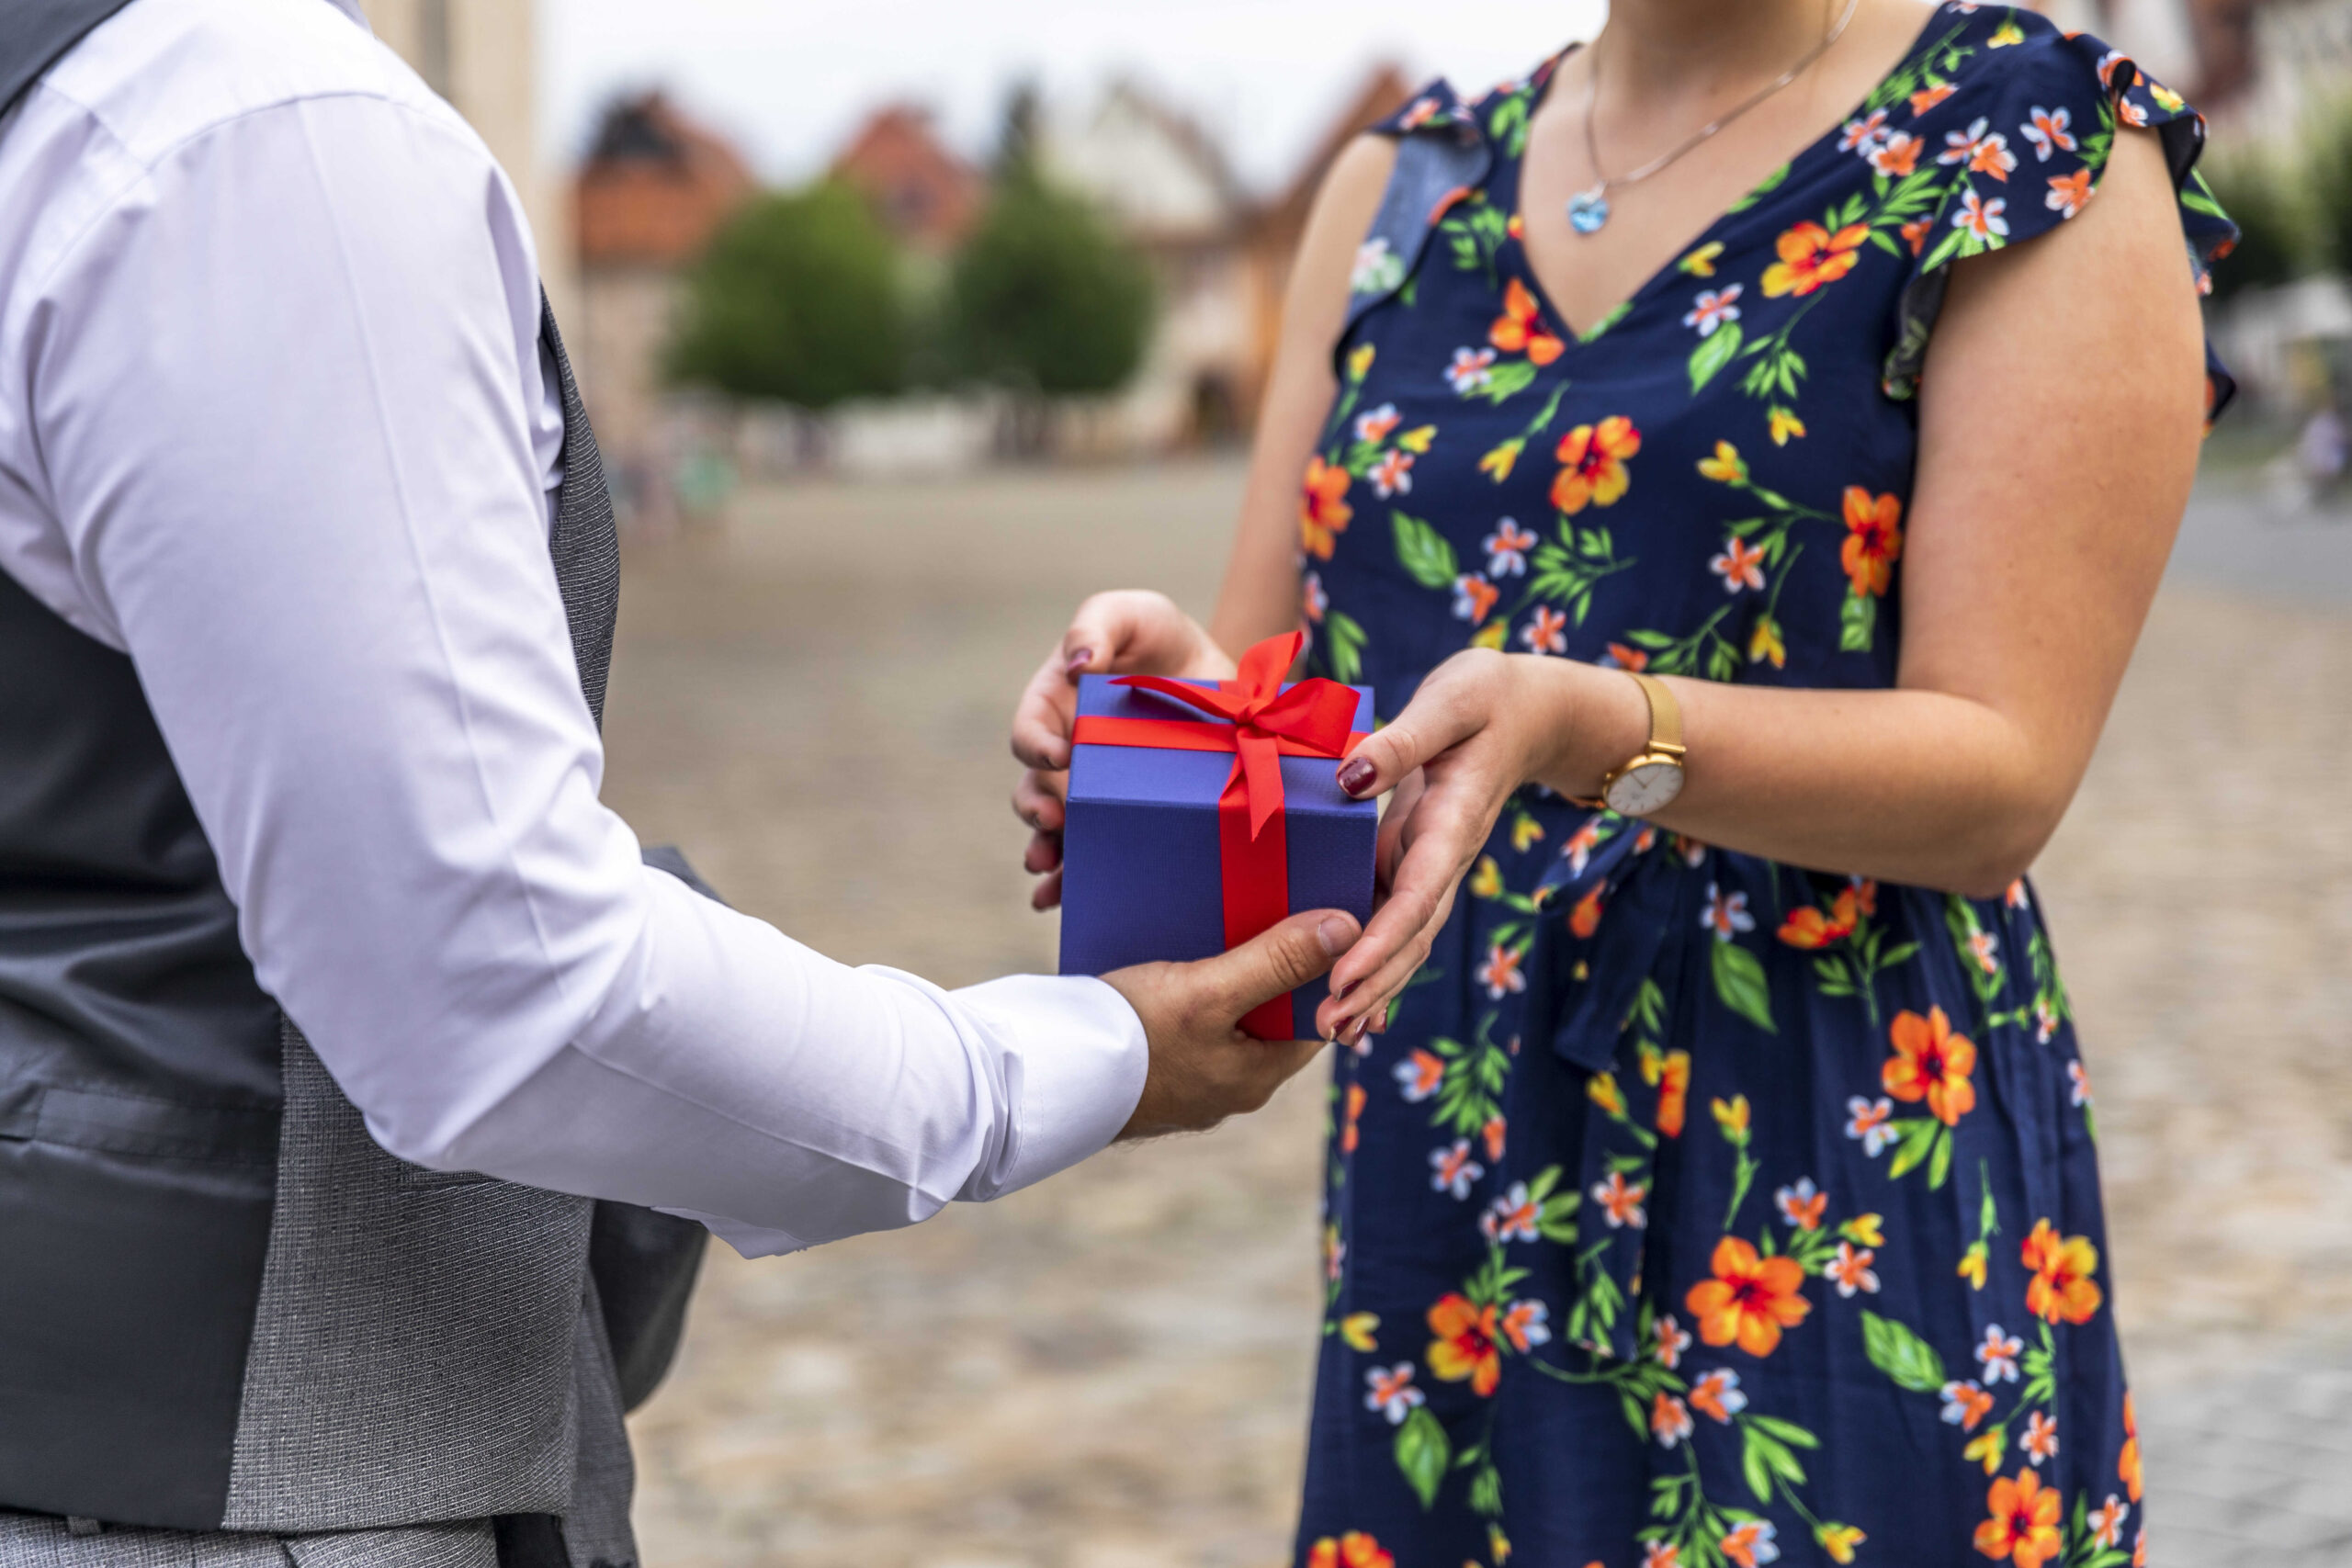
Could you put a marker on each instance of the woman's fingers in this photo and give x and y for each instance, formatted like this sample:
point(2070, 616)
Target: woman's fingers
point(1044, 854)
point(1047, 893)
point(1037, 800)
point(1041, 722)
point(1389, 847)
point(1448, 709)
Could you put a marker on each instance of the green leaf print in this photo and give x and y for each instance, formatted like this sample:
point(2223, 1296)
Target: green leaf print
point(1902, 1355)
point(1344, 642)
point(1715, 350)
point(1763, 188)
point(1423, 1453)
point(1857, 621)
point(1422, 551)
point(1739, 981)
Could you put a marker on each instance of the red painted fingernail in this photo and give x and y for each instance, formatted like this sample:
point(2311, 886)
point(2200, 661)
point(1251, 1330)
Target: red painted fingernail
point(1341, 994)
point(1357, 775)
point(1078, 661)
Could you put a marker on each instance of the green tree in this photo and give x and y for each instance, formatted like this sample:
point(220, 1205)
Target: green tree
point(1044, 298)
point(798, 298)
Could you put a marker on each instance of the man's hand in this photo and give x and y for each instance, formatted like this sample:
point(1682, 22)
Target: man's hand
point(1204, 1068)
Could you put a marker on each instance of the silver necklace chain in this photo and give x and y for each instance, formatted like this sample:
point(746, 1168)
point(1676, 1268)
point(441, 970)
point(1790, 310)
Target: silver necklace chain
point(1589, 209)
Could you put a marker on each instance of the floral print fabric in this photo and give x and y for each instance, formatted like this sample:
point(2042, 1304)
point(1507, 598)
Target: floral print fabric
point(1696, 1210)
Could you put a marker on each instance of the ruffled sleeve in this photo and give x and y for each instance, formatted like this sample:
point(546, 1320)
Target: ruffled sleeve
point(2021, 135)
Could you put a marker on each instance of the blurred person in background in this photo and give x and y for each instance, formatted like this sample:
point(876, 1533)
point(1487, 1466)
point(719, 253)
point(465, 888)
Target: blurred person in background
point(1744, 536)
point(330, 993)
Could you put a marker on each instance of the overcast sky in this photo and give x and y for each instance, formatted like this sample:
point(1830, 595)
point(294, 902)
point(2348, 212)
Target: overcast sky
point(790, 79)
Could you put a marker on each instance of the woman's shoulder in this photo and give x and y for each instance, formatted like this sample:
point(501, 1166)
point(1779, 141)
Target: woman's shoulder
point(1498, 116)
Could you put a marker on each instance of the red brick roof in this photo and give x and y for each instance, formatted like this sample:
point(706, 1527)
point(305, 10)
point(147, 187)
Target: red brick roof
point(655, 187)
point(923, 193)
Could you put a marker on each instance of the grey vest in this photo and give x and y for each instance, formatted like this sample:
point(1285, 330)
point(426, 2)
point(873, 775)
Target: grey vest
point(222, 1306)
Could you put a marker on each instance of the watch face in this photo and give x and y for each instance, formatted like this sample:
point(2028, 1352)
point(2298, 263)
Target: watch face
point(1645, 787)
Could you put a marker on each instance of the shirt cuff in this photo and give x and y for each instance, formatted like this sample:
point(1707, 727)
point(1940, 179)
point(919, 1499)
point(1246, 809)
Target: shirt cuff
point(1075, 1055)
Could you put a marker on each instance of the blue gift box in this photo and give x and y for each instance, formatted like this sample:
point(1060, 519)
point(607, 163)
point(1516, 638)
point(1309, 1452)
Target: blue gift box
point(1142, 876)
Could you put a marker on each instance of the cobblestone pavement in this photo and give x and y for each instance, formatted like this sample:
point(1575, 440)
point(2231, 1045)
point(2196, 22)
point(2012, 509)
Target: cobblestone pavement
point(1110, 1371)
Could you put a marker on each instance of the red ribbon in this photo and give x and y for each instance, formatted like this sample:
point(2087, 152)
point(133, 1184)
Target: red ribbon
point(1261, 724)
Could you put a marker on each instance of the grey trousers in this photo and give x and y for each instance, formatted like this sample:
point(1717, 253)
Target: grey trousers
point(39, 1540)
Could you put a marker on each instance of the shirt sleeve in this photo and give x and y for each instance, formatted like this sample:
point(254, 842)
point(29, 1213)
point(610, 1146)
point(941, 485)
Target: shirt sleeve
point(284, 393)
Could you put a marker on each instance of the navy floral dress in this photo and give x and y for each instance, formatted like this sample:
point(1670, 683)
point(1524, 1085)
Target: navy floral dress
point(1694, 1209)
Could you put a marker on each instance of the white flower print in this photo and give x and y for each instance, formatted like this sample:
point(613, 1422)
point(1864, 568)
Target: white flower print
point(1712, 308)
point(1998, 1354)
point(1725, 914)
point(1506, 549)
point(1390, 1391)
point(2047, 131)
point(1452, 1171)
point(1547, 633)
point(1472, 369)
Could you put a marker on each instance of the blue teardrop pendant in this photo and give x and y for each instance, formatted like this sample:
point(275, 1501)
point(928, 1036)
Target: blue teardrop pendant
point(1589, 210)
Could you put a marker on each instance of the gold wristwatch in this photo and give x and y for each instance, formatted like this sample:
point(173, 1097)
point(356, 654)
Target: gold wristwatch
point(1652, 777)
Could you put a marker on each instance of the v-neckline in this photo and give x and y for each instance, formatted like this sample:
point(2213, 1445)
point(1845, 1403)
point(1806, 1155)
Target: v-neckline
point(1666, 270)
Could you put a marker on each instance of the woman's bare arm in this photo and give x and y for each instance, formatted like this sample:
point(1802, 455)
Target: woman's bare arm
point(2060, 420)
point(1260, 597)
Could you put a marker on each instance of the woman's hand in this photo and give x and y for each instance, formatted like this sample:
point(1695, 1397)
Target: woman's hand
point(1481, 725)
point(1129, 632)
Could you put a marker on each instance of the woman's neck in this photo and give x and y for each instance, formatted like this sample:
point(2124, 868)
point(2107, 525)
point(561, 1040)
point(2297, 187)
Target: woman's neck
point(1655, 47)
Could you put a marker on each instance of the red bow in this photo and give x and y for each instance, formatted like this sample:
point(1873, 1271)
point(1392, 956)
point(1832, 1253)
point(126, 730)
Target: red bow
point(1261, 724)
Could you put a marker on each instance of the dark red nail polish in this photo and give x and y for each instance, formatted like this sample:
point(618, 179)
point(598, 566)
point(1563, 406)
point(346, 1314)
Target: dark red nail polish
point(1357, 775)
point(1341, 994)
point(1079, 660)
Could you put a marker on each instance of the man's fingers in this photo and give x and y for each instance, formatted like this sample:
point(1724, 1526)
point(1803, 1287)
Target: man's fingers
point(1278, 960)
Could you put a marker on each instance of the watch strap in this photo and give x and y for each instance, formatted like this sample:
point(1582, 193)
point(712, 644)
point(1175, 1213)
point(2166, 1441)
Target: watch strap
point(1666, 714)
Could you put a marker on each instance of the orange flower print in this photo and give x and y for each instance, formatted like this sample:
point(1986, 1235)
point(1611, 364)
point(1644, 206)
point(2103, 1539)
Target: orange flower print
point(1453, 1171)
point(1418, 1074)
point(2023, 1526)
point(1966, 1403)
point(1896, 156)
point(1850, 1269)
point(2048, 131)
point(1673, 1339)
point(1928, 97)
point(1983, 149)
point(1620, 1201)
point(2062, 1288)
point(1931, 1063)
point(1626, 657)
point(1801, 1205)
point(1740, 565)
point(1752, 1543)
point(2069, 194)
point(1718, 1396)
point(1871, 1122)
point(1915, 233)
point(1491, 1135)
point(1515, 1216)
point(1874, 540)
point(1669, 1420)
point(1347, 1131)
point(1751, 1299)
point(1500, 974)
point(2105, 1521)
point(1813, 928)
point(1323, 510)
point(2127, 1463)
point(1659, 1554)
point(1473, 598)
point(1592, 464)
point(1464, 1346)
point(1353, 1550)
point(1520, 329)
point(1585, 918)
point(1673, 1093)
point(1527, 1324)
point(2040, 1441)
point(1812, 256)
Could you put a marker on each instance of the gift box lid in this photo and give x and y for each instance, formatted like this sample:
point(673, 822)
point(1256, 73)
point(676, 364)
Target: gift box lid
point(1152, 775)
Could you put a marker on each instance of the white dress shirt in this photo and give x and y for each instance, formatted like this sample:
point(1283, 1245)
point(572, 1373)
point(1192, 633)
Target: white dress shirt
point(274, 422)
